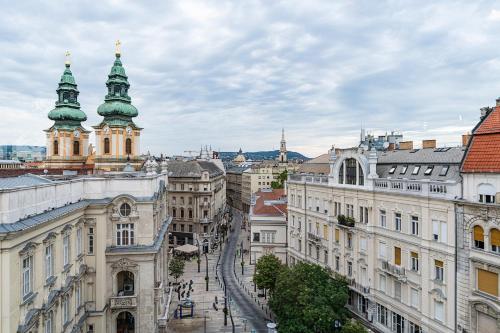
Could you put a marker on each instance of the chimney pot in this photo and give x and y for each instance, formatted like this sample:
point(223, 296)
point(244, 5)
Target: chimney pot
point(429, 144)
point(465, 139)
point(406, 145)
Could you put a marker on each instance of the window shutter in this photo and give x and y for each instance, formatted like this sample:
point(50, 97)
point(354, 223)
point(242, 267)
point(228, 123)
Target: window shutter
point(487, 282)
point(397, 256)
point(337, 235)
point(478, 233)
point(495, 237)
point(438, 263)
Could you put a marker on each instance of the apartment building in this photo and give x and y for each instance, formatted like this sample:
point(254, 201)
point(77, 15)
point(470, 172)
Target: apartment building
point(268, 227)
point(386, 221)
point(197, 199)
point(84, 254)
point(478, 229)
point(234, 180)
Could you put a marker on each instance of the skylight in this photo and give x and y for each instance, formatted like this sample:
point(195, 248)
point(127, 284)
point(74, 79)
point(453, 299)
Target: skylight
point(444, 170)
point(393, 168)
point(403, 170)
point(416, 169)
point(429, 170)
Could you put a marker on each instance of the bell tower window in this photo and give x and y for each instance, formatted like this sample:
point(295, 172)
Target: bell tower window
point(76, 147)
point(56, 147)
point(128, 146)
point(106, 145)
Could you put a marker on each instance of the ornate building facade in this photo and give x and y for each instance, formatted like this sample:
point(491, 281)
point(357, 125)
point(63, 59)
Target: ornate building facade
point(478, 229)
point(386, 221)
point(88, 254)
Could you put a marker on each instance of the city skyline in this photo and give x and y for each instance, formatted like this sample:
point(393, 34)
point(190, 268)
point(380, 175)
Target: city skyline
point(205, 68)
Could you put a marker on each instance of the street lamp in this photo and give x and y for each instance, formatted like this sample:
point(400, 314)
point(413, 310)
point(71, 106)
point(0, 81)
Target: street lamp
point(198, 260)
point(206, 276)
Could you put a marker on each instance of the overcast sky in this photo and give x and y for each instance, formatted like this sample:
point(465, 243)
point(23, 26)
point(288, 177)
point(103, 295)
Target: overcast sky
point(232, 73)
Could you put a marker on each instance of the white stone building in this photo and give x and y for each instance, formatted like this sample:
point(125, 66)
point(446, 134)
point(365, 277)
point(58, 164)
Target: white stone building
point(83, 254)
point(386, 221)
point(268, 216)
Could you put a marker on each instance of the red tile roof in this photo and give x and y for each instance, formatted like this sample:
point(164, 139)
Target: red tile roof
point(483, 153)
point(260, 208)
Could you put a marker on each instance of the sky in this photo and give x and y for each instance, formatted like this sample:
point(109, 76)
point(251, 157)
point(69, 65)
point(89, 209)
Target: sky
point(231, 74)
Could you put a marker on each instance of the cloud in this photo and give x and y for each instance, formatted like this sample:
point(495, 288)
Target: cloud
point(232, 73)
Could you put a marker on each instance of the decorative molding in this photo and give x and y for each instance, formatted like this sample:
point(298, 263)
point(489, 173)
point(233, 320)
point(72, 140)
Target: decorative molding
point(50, 237)
point(28, 248)
point(124, 264)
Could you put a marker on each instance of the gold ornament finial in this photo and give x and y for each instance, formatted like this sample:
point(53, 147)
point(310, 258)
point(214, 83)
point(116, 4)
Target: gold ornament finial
point(67, 62)
point(118, 47)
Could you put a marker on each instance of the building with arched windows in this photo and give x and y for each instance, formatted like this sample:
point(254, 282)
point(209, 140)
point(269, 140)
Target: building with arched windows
point(478, 229)
point(117, 136)
point(84, 253)
point(67, 139)
point(385, 220)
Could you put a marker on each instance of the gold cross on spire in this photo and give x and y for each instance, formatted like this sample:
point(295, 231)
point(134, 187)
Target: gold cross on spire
point(117, 47)
point(67, 62)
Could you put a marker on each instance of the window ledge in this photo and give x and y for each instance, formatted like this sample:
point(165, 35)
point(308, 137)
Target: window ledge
point(49, 282)
point(66, 268)
point(29, 298)
point(486, 295)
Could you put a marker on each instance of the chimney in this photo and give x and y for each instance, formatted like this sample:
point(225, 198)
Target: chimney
point(485, 110)
point(405, 145)
point(465, 139)
point(429, 144)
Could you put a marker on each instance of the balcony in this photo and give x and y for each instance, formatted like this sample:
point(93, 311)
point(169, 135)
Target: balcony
point(123, 302)
point(205, 221)
point(358, 287)
point(346, 221)
point(312, 179)
point(204, 204)
point(425, 187)
point(314, 237)
point(397, 271)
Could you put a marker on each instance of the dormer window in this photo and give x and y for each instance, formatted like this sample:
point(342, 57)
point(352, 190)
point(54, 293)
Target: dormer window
point(487, 193)
point(125, 209)
point(429, 169)
point(444, 170)
point(416, 169)
point(351, 172)
point(392, 169)
point(403, 170)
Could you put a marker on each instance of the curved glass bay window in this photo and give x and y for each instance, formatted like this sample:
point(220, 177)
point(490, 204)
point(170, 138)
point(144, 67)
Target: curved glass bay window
point(351, 172)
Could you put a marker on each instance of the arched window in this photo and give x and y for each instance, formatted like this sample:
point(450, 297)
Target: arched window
point(350, 171)
point(190, 213)
point(76, 147)
point(56, 147)
point(106, 145)
point(478, 236)
point(128, 146)
point(361, 176)
point(125, 283)
point(125, 323)
point(495, 240)
point(125, 209)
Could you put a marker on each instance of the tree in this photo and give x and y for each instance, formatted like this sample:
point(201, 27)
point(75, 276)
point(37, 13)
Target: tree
point(307, 299)
point(353, 326)
point(280, 182)
point(176, 268)
point(267, 269)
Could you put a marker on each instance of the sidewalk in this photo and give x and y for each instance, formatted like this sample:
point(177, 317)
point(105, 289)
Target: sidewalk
point(206, 318)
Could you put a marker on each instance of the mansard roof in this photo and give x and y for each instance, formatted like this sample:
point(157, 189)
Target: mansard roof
point(192, 169)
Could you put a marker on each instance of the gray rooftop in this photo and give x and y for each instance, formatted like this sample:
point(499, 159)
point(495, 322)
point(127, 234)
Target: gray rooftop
point(422, 156)
point(22, 181)
point(192, 169)
point(237, 169)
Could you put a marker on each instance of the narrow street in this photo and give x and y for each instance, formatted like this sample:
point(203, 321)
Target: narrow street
point(257, 319)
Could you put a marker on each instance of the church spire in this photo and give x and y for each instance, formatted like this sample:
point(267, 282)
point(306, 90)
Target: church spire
point(67, 113)
point(117, 107)
point(283, 153)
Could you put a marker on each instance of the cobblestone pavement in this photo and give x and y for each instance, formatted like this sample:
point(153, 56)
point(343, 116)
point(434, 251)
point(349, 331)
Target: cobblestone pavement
point(246, 314)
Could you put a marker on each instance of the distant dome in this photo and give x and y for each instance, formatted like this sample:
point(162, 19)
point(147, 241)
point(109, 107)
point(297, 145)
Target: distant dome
point(240, 158)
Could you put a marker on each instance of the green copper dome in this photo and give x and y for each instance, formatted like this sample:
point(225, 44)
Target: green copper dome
point(67, 111)
point(117, 102)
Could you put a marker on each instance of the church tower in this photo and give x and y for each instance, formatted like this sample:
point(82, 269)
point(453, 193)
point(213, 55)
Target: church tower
point(67, 140)
point(117, 136)
point(283, 154)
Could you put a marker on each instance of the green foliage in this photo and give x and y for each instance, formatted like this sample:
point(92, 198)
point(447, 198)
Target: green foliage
point(307, 299)
point(346, 220)
point(266, 272)
point(176, 267)
point(353, 326)
point(280, 183)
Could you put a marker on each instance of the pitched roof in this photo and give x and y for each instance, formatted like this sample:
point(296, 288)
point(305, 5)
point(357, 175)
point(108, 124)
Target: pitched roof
point(483, 152)
point(22, 181)
point(317, 165)
point(263, 201)
point(190, 169)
